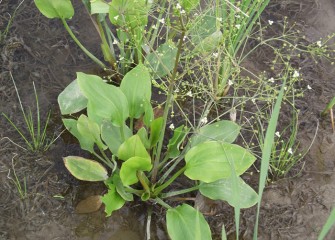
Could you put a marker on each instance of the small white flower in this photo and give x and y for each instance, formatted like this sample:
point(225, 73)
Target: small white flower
point(253, 100)
point(171, 126)
point(184, 38)
point(230, 82)
point(270, 22)
point(162, 20)
point(116, 17)
point(295, 74)
point(182, 11)
point(238, 26)
point(277, 134)
point(319, 43)
point(285, 88)
point(271, 80)
point(309, 87)
point(238, 16)
point(178, 6)
point(189, 93)
point(290, 151)
point(219, 19)
point(115, 42)
point(215, 54)
point(204, 120)
point(154, 26)
point(176, 91)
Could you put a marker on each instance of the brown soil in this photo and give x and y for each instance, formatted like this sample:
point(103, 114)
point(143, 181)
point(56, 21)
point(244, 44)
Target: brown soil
point(37, 49)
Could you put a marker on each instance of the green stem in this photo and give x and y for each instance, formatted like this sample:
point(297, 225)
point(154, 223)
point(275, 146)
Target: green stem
point(111, 164)
point(143, 180)
point(177, 161)
point(162, 203)
point(134, 191)
point(131, 124)
point(175, 193)
point(88, 53)
point(168, 105)
point(168, 182)
point(103, 160)
point(106, 49)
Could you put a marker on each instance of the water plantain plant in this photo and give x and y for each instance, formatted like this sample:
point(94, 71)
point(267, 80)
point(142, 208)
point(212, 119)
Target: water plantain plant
point(140, 31)
point(134, 163)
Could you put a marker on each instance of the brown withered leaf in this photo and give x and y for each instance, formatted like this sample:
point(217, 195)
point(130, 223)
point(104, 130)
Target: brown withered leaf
point(89, 204)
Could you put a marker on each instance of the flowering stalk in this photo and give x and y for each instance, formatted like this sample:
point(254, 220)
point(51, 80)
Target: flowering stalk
point(168, 104)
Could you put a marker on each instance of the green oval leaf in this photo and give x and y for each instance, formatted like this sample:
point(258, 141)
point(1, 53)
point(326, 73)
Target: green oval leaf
point(184, 222)
point(90, 130)
point(111, 135)
point(85, 143)
point(224, 189)
point(142, 133)
point(210, 161)
point(209, 44)
point(148, 114)
point(115, 180)
point(155, 130)
point(71, 100)
point(112, 200)
point(132, 147)
point(55, 8)
point(188, 5)
point(136, 86)
point(203, 26)
point(133, 13)
point(104, 100)
point(225, 131)
point(131, 166)
point(162, 60)
point(99, 6)
point(179, 135)
point(85, 169)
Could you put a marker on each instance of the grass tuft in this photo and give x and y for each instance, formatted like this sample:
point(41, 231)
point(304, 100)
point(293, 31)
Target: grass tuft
point(36, 139)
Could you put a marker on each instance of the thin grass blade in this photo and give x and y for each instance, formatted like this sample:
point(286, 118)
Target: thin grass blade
point(328, 225)
point(266, 151)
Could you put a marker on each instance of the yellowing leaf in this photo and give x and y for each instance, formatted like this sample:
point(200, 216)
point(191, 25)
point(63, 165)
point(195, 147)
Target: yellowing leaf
point(85, 169)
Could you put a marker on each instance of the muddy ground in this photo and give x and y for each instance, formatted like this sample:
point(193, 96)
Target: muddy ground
point(37, 49)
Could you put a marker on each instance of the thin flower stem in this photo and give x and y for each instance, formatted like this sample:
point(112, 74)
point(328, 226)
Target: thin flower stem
point(107, 52)
point(168, 104)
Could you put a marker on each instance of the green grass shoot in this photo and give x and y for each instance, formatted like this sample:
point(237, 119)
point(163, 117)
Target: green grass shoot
point(266, 151)
point(36, 140)
point(328, 225)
